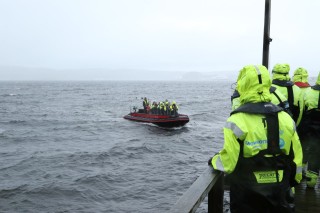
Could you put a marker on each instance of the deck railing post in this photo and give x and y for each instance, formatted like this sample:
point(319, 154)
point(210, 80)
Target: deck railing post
point(210, 184)
point(215, 196)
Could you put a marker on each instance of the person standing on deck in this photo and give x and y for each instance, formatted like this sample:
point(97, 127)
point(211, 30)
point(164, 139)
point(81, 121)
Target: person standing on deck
point(174, 108)
point(154, 107)
point(277, 98)
point(309, 132)
point(145, 103)
point(300, 78)
point(163, 108)
point(159, 108)
point(281, 80)
point(262, 153)
point(167, 104)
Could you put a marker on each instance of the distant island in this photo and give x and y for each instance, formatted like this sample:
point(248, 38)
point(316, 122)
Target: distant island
point(43, 74)
point(15, 73)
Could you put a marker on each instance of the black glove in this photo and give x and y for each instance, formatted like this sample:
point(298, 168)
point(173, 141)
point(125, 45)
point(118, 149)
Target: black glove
point(209, 162)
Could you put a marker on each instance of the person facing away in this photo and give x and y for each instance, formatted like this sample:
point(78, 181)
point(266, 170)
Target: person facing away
point(163, 108)
point(167, 106)
point(145, 103)
point(309, 132)
point(154, 107)
point(174, 108)
point(261, 153)
point(277, 98)
point(281, 80)
point(300, 78)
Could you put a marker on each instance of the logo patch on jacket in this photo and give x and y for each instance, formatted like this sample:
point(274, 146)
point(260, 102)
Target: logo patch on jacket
point(268, 176)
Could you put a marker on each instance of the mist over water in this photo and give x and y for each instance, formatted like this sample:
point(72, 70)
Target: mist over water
point(65, 146)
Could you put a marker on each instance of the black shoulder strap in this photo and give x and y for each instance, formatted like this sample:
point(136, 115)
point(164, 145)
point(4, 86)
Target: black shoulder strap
point(290, 96)
point(271, 112)
point(283, 104)
point(241, 148)
point(273, 134)
point(235, 95)
point(316, 87)
point(273, 91)
point(289, 85)
point(273, 137)
point(319, 101)
point(258, 108)
point(282, 83)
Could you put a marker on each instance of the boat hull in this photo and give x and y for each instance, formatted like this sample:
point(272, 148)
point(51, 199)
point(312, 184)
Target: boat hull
point(160, 120)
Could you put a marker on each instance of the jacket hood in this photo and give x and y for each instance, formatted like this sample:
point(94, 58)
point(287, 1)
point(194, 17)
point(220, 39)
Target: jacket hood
point(253, 84)
point(318, 80)
point(300, 75)
point(281, 72)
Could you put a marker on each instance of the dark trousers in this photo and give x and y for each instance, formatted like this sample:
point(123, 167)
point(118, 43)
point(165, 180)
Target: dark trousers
point(309, 134)
point(264, 199)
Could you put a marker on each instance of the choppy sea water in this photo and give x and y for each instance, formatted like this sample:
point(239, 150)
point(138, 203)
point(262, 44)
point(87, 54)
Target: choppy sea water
point(65, 146)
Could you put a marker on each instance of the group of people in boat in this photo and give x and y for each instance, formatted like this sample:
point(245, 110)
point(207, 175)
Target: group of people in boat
point(271, 139)
point(160, 108)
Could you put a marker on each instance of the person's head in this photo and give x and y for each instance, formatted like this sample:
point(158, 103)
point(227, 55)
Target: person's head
point(281, 72)
point(300, 75)
point(253, 84)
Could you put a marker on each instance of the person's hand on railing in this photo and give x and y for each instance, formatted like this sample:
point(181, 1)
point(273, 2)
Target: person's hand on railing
point(209, 162)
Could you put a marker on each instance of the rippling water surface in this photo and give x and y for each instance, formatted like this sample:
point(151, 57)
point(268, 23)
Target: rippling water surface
point(65, 146)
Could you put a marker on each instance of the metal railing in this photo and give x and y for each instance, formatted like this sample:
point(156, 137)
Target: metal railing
point(210, 183)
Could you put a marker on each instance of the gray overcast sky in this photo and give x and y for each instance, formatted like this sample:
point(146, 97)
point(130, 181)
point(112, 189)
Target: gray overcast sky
point(170, 35)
